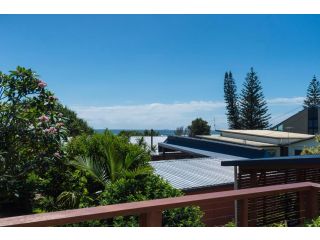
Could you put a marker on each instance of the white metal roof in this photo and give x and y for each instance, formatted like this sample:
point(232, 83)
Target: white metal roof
point(270, 134)
point(237, 141)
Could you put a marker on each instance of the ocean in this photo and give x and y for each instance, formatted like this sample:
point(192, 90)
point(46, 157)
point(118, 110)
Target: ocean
point(163, 132)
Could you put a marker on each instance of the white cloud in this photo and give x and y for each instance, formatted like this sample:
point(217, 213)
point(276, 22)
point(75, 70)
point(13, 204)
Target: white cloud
point(154, 115)
point(167, 116)
point(286, 101)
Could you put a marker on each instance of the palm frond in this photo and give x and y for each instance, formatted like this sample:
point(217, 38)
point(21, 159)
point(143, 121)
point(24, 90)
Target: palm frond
point(68, 199)
point(132, 158)
point(96, 168)
point(139, 171)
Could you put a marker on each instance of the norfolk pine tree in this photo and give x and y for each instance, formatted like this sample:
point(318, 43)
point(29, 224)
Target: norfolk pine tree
point(231, 100)
point(313, 94)
point(253, 106)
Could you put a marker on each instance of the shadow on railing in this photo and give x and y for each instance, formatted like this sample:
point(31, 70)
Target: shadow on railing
point(150, 212)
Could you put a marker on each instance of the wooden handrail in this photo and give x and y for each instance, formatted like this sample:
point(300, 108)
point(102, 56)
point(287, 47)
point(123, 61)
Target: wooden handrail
point(151, 210)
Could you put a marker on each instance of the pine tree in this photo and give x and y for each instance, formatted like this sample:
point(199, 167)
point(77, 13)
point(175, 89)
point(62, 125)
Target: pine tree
point(231, 100)
point(253, 106)
point(313, 94)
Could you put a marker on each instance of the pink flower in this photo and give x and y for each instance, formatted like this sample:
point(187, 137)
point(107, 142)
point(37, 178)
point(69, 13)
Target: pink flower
point(57, 155)
point(42, 84)
point(43, 118)
point(51, 130)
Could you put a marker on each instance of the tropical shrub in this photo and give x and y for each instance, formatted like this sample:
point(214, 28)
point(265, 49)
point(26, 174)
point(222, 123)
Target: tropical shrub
point(312, 150)
point(313, 222)
point(32, 133)
point(230, 224)
point(147, 188)
point(118, 172)
point(108, 157)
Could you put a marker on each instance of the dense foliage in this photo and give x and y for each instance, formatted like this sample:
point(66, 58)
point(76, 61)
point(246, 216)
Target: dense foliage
point(74, 124)
point(253, 106)
point(312, 150)
point(108, 157)
point(313, 94)
point(199, 127)
point(44, 167)
point(110, 170)
point(32, 133)
point(149, 187)
point(231, 100)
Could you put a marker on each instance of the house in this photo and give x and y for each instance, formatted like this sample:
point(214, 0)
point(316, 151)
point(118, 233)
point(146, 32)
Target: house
point(273, 143)
point(306, 121)
point(239, 143)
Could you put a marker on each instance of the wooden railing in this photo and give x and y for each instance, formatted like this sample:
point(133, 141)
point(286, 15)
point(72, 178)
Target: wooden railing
point(150, 212)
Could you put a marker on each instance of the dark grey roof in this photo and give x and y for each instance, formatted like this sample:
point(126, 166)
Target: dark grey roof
point(189, 174)
point(200, 152)
point(203, 147)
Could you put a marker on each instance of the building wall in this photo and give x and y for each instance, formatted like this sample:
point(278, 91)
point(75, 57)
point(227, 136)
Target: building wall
point(297, 123)
point(300, 145)
point(216, 214)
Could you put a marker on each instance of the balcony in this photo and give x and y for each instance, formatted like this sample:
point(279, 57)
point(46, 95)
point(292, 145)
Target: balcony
point(150, 212)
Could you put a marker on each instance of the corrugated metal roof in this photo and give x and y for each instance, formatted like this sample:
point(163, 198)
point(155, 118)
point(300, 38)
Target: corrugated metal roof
point(188, 174)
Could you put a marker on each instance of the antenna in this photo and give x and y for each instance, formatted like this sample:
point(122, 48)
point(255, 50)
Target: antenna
point(288, 129)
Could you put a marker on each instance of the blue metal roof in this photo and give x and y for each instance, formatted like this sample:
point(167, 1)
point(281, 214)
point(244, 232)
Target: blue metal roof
point(205, 146)
point(194, 151)
point(190, 174)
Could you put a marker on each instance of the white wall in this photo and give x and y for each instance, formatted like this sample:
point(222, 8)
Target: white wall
point(301, 145)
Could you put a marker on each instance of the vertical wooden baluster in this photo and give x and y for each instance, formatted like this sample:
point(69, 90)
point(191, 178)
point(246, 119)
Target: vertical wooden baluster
point(151, 219)
point(243, 218)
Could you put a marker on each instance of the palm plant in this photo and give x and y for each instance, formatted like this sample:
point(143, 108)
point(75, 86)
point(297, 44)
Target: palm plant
point(110, 167)
point(107, 159)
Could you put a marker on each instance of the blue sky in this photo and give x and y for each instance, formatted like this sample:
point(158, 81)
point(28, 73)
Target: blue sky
point(162, 71)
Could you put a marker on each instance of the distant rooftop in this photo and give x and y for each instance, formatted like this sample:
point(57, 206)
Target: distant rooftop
point(270, 134)
point(237, 141)
point(280, 161)
point(189, 174)
point(209, 148)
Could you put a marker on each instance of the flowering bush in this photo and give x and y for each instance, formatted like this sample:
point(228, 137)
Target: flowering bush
point(32, 134)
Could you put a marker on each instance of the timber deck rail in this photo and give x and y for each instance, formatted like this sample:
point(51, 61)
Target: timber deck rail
point(150, 212)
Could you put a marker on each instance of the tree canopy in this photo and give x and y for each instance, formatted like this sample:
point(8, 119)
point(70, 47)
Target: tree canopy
point(313, 94)
point(253, 106)
point(74, 124)
point(231, 100)
point(199, 127)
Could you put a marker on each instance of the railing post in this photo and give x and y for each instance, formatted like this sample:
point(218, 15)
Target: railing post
point(243, 216)
point(302, 206)
point(312, 203)
point(151, 219)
